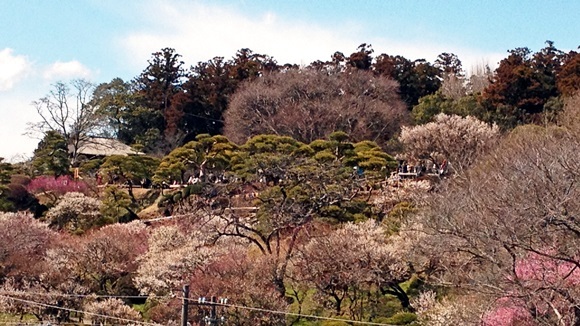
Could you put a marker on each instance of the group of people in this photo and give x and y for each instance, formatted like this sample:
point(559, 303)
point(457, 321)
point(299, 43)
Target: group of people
point(420, 169)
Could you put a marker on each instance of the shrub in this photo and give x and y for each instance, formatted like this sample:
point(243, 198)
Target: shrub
point(402, 318)
point(75, 212)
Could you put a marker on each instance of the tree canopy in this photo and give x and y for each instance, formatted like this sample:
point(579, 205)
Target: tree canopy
point(310, 104)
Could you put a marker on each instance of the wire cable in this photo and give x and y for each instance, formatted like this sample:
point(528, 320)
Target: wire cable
point(72, 295)
point(34, 303)
point(288, 313)
point(192, 300)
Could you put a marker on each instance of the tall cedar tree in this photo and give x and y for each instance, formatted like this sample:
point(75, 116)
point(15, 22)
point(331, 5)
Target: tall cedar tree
point(523, 83)
point(416, 78)
point(156, 87)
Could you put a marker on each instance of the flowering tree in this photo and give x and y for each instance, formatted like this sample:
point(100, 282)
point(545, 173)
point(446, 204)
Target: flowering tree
point(120, 313)
point(462, 310)
point(104, 260)
point(569, 118)
point(509, 228)
point(67, 267)
point(54, 188)
point(23, 243)
point(26, 269)
point(75, 212)
point(547, 284)
point(172, 255)
point(238, 274)
point(509, 313)
point(345, 264)
point(292, 187)
point(457, 140)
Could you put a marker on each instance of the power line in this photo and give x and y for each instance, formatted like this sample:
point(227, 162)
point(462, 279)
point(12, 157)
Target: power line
point(34, 303)
point(34, 323)
point(222, 303)
point(45, 323)
point(71, 295)
point(291, 313)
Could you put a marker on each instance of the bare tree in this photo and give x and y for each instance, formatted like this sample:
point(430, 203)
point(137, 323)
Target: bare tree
point(510, 227)
point(569, 118)
point(311, 104)
point(480, 76)
point(66, 109)
point(453, 87)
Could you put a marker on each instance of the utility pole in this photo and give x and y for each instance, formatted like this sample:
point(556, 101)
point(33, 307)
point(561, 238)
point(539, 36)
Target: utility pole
point(213, 315)
point(184, 305)
point(212, 319)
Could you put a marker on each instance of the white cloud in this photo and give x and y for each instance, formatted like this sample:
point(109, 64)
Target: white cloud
point(16, 112)
point(201, 31)
point(66, 70)
point(12, 69)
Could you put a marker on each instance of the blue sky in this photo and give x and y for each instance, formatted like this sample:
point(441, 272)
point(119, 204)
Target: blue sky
point(42, 42)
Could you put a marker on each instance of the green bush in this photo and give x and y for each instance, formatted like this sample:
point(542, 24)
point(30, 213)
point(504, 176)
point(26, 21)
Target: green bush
point(388, 307)
point(325, 156)
point(402, 318)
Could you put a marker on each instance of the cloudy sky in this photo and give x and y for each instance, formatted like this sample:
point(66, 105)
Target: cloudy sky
point(42, 42)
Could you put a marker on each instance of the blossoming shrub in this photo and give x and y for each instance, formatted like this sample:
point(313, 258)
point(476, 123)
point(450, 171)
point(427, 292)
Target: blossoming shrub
point(75, 212)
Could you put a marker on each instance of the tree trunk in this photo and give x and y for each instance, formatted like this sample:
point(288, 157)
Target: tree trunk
point(397, 291)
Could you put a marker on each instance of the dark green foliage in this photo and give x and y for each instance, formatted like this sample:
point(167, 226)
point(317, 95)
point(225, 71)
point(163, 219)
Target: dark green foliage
point(431, 105)
point(398, 215)
point(128, 168)
point(91, 167)
point(116, 204)
point(449, 63)
point(333, 323)
point(155, 89)
point(16, 197)
point(208, 89)
point(167, 106)
point(177, 197)
point(5, 173)
point(207, 156)
point(194, 189)
point(116, 103)
point(416, 78)
point(51, 157)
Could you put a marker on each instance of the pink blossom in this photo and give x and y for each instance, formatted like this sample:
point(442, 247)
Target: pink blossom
point(56, 186)
point(508, 314)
